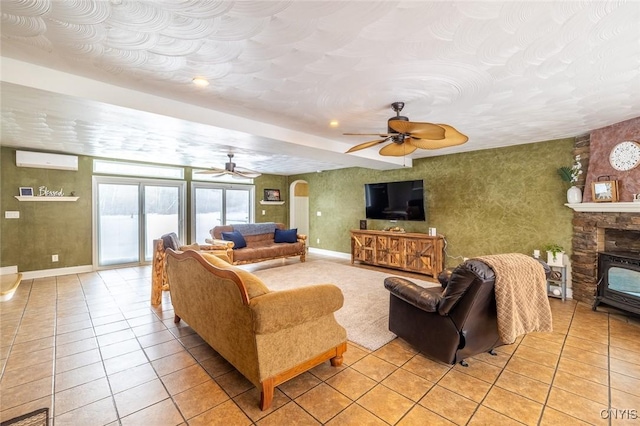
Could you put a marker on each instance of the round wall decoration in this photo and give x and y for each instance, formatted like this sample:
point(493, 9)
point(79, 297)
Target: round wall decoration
point(625, 156)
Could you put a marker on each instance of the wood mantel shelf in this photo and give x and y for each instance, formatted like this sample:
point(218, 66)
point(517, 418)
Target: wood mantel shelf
point(605, 207)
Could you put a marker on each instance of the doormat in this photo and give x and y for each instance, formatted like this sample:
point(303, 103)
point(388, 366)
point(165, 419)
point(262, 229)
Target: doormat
point(34, 418)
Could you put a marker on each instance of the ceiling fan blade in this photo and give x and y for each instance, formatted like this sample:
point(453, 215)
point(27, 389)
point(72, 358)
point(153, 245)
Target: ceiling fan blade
point(397, 149)
point(420, 130)
point(366, 145)
point(246, 173)
point(217, 172)
point(382, 135)
point(452, 138)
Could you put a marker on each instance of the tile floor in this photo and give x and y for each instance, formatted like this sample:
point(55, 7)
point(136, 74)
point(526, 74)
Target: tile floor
point(91, 348)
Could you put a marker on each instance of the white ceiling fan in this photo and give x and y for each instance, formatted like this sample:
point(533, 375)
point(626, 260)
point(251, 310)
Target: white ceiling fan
point(231, 169)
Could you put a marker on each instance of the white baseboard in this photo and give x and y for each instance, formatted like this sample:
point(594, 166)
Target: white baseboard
point(331, 253)
point(29, 275)
point(6, 270)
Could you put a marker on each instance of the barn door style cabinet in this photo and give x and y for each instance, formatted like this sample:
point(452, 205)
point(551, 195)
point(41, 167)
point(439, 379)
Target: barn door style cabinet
point(413, 252)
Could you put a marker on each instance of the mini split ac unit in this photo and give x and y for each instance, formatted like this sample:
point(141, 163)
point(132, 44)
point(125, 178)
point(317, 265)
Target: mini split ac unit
point(42, 160)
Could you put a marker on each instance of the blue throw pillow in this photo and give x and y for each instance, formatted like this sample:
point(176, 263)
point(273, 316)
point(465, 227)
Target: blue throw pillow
point(237, 238)
point(286, 236)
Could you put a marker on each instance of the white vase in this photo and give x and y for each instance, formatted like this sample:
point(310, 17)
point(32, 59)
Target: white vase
point(574, 195)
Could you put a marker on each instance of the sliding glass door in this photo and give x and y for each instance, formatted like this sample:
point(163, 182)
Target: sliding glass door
point(131, 213)
point(219, 204)
point(162, 206)
point(118, 223)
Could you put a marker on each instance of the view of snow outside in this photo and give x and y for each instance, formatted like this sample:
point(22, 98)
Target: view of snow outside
point(119, 219)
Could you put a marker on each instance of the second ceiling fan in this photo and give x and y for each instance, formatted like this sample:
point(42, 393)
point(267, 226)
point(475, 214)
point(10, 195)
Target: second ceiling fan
point(230, 169)
point(407, 136)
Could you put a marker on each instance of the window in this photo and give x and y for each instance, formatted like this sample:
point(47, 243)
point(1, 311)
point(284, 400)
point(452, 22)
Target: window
point(137, 169)
point(219, 204)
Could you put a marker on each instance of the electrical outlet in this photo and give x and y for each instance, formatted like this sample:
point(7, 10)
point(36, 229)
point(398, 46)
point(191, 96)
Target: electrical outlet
point(318, 213)
point(264, 212)
point(317, 240)
point(54, 257)
point(12, 215)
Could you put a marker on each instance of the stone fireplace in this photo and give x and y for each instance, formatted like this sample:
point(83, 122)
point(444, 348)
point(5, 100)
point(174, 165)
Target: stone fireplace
point(595, 232)
point(603, 226)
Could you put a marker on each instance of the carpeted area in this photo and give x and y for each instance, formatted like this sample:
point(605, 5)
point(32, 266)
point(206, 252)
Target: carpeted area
point(34, 418)
point(365, 314)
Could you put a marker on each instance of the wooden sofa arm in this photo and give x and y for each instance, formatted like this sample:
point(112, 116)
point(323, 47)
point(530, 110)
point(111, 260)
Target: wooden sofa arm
point(216, 244)
point(302, 237)
point(279, 310)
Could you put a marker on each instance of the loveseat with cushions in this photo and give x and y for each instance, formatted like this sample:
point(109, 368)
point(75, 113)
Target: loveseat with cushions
point(268, 336)
point(256, 242)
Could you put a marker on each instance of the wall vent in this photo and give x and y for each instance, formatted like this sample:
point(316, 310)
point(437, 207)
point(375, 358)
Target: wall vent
point(42, 160)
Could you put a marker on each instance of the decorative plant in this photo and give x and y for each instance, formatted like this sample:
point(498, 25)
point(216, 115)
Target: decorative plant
point(571, 174)
point(553, 248)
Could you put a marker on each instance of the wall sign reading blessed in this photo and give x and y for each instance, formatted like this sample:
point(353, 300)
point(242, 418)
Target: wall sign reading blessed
point(43, 191)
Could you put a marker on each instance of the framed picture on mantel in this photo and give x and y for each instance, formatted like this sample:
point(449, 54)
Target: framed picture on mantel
point(605, 191)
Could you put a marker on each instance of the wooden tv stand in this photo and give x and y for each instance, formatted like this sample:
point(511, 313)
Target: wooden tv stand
point(413, 252)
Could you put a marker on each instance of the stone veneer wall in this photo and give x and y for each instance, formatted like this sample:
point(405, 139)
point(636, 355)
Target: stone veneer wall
point(593, 232)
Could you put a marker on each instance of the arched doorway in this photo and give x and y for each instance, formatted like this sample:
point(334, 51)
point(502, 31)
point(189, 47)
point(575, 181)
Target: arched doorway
point(299, 207)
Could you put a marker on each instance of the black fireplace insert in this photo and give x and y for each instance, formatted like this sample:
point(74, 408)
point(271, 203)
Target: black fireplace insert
point(619, 280)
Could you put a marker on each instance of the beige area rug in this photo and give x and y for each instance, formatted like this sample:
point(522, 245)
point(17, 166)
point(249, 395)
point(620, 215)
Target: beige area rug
point(365, 314)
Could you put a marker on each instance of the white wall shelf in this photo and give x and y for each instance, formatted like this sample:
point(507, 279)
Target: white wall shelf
point(606, 207)
point(46, 198)
point(271, 203)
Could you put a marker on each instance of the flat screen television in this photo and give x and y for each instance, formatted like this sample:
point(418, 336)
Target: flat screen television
point(395, 200)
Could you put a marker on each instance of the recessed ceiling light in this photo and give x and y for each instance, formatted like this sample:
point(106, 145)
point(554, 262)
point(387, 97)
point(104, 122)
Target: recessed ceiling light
point(334, 123)
point(200, 81)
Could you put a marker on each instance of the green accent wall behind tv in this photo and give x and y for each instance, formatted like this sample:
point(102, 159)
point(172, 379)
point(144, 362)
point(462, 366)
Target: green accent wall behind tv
point(484, 202)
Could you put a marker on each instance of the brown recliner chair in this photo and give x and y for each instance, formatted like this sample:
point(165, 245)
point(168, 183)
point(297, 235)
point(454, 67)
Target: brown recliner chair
point(448, 324)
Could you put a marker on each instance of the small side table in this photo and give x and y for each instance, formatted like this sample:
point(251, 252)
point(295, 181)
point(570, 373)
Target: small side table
point(558, 278)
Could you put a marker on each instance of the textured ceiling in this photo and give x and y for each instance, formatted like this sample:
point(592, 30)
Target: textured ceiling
point(113, 78)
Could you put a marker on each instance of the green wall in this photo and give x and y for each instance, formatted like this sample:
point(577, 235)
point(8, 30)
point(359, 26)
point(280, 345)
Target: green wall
point(65, 228)
point(45, 228)
point(273, 213)
point(484, 202)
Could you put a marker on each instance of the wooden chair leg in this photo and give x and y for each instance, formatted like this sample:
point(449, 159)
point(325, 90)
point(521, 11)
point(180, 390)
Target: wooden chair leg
point(266, 396)
point(176, 319)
